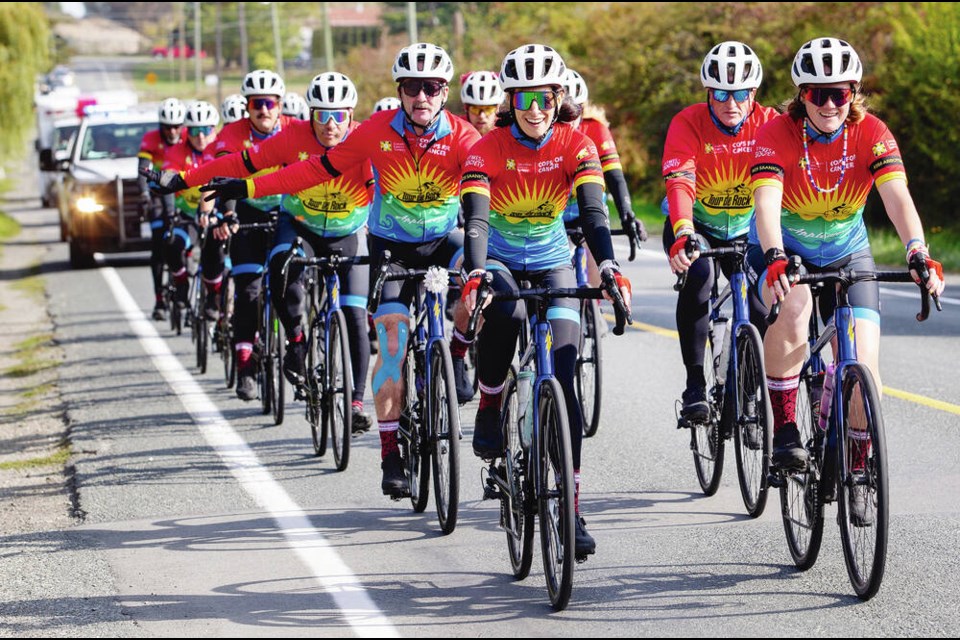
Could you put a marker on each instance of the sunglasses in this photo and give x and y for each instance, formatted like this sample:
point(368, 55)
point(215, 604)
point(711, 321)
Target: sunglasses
point(430, 88)
point(268, 103)
point(820, 95)
point(740, 95)
point(479, 110)
point(524, 100)
point(323, 116)
point(200, 131)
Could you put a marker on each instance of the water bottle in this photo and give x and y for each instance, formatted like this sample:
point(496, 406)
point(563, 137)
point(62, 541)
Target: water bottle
point(827, 398)
point(524, 406)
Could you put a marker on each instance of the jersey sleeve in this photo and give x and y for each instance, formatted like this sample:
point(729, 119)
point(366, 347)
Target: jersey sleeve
point(767, 167)
point(679, 169)
point(884, 153)
point(291, 179)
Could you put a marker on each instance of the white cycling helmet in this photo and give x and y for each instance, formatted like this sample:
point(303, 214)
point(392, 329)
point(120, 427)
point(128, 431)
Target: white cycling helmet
point(295, 106)
point(481, 88)
point(576, 87)
point(731, 66)
point(386, 104)
point(422, 60)
point(826, 60)
point(262, 82)
point(332, 90)
point(172, 112)
point(201, 114)
point(234, 108)
point(532, 65)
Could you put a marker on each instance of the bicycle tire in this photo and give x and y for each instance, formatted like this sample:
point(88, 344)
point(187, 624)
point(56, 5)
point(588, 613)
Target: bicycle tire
point(416, 464)
point(443, 432)
point(203, 343)
point(516, 513)
point(556, 500)
point(753, 413)
point(801, 503)
point(339, 393)
point(864, 546)
point(314, 390)
point(279, 381)
point(706, 439)
point(589, 366)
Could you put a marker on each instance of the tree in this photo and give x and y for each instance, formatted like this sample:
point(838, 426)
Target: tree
point(24, 53)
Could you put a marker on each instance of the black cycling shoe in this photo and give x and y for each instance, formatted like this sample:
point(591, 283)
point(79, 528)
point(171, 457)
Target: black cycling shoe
point(160, 311)
point(487, 437)
point(584, 544)
point(695, 407)
point(861, 515)
point(461, 381)
point(360, 422)
point(293, 362)
point(247, 384)
point(394, 483)
point(788, 451)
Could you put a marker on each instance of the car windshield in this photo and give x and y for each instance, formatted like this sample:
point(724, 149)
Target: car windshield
point(108, 141)
point(63, 136)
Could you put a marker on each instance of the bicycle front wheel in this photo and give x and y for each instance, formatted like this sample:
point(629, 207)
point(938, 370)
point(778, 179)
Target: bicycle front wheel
point(339, 396)
point(801, 504)
point(556, 493)
point(416, 464)
point(754, 421)
point(203, 343)
point(443, 431)
point(706, 439)
point(313, 388)
point(516, 510)
point(278, 381)
point(588, 366)
point(862, 493)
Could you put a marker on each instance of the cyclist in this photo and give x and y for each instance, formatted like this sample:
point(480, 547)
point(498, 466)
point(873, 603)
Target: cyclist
point(233, 108)
point(155, 208)
point(295, 107)
point(706, 168)
point(813, 168)
point(481, 95)
point(592, 122)
point(516, 238)
point(418, 152)
point(201, 122)
point(386, 104)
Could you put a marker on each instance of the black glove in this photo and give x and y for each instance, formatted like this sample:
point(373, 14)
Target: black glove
point(635, 231)
point(225, 189)
point(164, 182)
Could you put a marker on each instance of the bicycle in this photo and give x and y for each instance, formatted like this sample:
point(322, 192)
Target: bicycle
point(429, 417)
point(734, 351)
point(268, 348)
point(534, 475)
point(328, 388)
point(847, 451)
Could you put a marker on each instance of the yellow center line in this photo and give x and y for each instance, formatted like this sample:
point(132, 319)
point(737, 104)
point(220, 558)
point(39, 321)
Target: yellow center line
point(895, 393)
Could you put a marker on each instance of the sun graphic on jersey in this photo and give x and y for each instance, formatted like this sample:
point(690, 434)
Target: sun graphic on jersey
point(535, 204)
point(725, 190)
point(335, 198)
point(837, 205)
point(431, 187)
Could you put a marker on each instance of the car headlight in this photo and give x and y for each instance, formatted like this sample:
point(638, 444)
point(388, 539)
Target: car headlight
point(86, 204)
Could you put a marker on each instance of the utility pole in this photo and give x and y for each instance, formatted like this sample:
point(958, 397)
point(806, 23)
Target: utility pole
point(197, 47)
point(182, 38)
point(278, 49)
point(242, 23)
point(219, 52)
point(412, 22)
point(327, 37)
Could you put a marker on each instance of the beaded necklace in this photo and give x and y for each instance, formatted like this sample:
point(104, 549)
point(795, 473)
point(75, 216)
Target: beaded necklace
point(806, 158)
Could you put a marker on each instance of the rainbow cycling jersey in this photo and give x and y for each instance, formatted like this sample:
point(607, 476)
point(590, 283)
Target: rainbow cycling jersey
point(241, 135)
point(153, 148)
point(711, 169)
point(823, 227)
point(330, 209)
point(531, 186)
point(416, 199)
point(183, 157)
point(600, 134)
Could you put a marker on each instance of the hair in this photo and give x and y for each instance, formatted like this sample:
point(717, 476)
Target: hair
point(858, 107)
point(593, 112)
point(569, 111)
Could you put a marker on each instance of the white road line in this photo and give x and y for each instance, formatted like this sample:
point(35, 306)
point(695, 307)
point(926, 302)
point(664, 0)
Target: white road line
point(912, 293)
point(330, 572)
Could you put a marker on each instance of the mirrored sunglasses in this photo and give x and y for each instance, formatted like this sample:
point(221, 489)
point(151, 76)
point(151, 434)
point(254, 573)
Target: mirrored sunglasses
point(412, 87)
point(525, 100)
point(820, 95)
point(740, 95)
point(322, 116)
point(478, 110)
point(267, 103)
point(200, 131)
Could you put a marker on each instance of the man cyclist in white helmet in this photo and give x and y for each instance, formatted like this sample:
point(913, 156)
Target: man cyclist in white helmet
point(481, 95)
point(295, 106)
point(233, 108)
point(386, 104)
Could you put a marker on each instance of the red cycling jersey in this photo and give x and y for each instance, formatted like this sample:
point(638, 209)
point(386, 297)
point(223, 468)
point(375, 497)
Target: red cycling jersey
point(153, 148)
point(183, 157)
point(707, 171)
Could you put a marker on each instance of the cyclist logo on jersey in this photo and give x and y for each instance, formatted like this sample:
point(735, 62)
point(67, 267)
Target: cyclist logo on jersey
point(427, 192)
point(545, 211)
point(840, 212)
point(738, 196)
point(335, 202)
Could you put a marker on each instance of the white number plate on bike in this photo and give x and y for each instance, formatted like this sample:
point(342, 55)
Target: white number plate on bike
point(145, 230)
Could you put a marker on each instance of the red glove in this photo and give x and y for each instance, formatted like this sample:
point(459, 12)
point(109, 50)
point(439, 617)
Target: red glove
point(623, 282)
point(473, 281)
point(776, 269)
point(680, 244)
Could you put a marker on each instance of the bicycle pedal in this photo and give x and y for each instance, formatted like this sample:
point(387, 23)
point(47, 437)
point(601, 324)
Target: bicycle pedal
point(399, 495)
point(580, 559)
point(776, 481)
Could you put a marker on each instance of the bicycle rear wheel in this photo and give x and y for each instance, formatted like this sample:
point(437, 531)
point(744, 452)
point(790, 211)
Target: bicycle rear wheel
point(203, 343)
point(801, 505)
point(516, 514)
point(278, 381)
point(556, 487)
point(754, 421)
point(589, 365)
point(339, 393)
point(863, 533)
point(706, 439)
